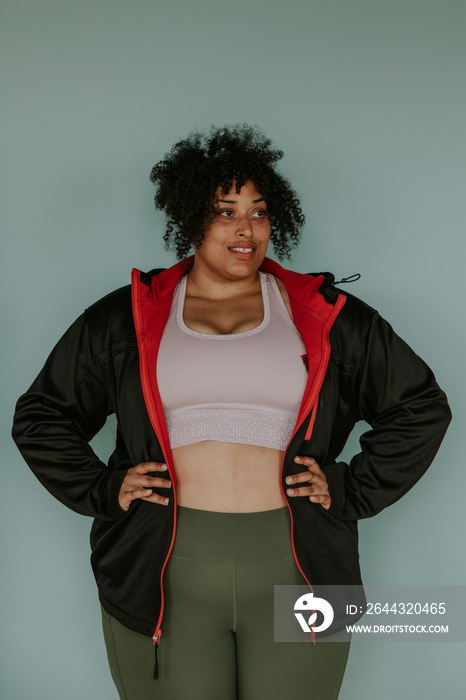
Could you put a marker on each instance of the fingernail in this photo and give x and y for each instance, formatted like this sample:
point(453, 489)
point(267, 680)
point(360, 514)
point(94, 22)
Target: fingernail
point(164, 467)
point(169, 483)
point(297, 459)
point(290, 492)
point(166, 501)
point(289, 479)
point(312, 498)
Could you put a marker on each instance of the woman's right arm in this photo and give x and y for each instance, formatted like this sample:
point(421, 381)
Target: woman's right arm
point(56, 418)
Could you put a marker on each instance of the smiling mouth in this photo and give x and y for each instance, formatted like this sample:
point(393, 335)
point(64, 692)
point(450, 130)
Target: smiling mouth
point(243, 250)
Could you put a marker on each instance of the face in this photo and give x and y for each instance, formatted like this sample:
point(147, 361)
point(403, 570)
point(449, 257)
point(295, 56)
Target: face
point(235, 244)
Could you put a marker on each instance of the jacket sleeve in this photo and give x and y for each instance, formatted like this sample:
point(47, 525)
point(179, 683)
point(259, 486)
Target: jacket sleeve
point(56, 418)
point(394, 391)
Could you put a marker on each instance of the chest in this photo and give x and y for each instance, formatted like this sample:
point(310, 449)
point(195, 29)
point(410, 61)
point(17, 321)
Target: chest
point(223, 316)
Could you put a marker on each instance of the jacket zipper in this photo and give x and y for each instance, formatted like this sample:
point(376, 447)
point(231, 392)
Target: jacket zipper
point(295, 556)
point(153, 415)
point(310, 406)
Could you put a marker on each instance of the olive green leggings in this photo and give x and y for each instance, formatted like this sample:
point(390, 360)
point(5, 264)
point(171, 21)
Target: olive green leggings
point(218, 637)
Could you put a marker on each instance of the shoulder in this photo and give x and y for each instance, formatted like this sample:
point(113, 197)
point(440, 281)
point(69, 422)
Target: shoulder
point(117, 303)
point(355, 313)
point(110, 320)
point(112, 308)
point(353, 324)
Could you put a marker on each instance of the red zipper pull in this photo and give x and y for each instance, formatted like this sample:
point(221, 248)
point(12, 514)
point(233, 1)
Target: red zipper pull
point(156, 640)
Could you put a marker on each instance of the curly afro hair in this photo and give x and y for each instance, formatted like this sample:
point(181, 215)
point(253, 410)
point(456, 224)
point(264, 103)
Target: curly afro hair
point(188, 177)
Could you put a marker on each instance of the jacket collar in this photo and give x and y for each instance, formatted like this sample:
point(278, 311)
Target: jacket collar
point(300, 287)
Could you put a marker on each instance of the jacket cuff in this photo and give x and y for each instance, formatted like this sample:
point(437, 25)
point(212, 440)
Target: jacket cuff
point(335, 475)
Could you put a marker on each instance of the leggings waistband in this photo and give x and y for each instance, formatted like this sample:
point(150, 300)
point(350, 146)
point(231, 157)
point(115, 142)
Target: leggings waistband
point(209, 535)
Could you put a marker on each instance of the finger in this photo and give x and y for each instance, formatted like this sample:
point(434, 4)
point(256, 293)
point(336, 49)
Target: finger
point(322, 498)
point(127, 497)
point(143, 486)
point(324, 501)
point(310, 463)
point(308, 491)
point(307, 461)
point(144, 495)
point(305, 477)
point(152, 482)
point(145, 467)
point(319, 498)
point(156, 498)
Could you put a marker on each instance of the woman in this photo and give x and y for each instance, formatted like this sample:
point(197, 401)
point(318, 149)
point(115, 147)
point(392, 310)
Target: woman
point(235, 383)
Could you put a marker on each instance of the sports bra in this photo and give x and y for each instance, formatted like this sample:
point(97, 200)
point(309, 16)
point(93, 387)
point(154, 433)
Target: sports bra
point(238, 387)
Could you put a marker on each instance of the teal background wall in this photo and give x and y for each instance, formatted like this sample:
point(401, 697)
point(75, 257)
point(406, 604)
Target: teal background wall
point(367, 98)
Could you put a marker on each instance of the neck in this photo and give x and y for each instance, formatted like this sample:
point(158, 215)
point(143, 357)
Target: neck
point(206, 284)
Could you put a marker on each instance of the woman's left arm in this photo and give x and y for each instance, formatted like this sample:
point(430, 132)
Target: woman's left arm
point(394, 391)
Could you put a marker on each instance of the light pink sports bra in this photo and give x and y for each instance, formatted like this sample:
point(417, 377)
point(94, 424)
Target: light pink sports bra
point(242, 387)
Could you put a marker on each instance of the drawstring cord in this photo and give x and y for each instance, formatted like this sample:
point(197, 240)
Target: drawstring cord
point(351, 278)
point(156, 665)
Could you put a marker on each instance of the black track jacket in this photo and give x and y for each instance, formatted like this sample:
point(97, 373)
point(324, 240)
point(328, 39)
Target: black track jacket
point(359, 369)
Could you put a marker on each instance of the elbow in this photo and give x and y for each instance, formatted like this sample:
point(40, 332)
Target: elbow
point(16, 430)
point(441, 419)
point(445, 414)
point(22, 423)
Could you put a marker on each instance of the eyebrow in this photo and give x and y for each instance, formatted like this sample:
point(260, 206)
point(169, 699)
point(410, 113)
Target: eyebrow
point(234, 201)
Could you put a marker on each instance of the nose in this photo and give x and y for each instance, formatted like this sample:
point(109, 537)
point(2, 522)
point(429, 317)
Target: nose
point(244, 226)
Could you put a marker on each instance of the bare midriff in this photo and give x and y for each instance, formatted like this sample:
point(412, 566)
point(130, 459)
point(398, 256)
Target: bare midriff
point(228, 477)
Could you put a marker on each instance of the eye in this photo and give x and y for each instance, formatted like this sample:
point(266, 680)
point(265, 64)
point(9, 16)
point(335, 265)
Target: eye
point(260, 214)
point(225, 212)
